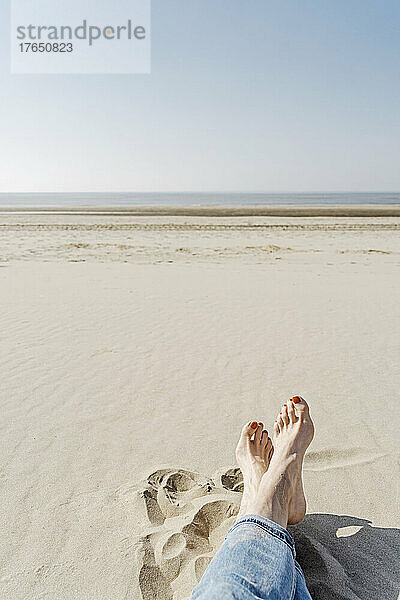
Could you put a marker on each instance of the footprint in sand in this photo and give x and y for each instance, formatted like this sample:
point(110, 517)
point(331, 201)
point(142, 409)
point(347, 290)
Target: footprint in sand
point(187, 516)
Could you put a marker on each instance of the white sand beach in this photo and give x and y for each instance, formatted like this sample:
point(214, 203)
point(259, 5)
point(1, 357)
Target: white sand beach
point(133, 348)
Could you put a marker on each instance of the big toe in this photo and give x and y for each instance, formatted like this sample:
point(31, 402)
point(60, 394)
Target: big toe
point(248, 431)
point(300, 404)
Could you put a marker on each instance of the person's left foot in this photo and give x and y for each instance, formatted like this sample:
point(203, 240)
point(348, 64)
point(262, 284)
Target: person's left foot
point(253, 453)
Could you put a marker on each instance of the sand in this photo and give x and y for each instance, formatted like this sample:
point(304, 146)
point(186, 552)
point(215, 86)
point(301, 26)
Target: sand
point(132, 350)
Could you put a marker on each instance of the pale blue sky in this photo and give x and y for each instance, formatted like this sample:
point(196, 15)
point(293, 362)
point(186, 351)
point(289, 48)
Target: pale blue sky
point(252, 95)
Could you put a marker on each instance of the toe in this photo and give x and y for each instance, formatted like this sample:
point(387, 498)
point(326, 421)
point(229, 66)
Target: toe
point(269, 450)
point(284, 413)
point(248, 430)
point(264, 439)
point(280, 421)
point(258, 434)
point(268, 447)
point(291, 412)
point(276, 428)
point(301, 405)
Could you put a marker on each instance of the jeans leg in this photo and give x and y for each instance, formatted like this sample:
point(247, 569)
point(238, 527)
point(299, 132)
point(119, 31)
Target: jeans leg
point(256, 561)
point(302, 592)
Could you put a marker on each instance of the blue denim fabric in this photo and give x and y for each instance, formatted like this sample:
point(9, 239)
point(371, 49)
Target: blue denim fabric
point(257, 561)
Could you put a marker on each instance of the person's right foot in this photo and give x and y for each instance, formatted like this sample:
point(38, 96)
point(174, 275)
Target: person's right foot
point(280, 495)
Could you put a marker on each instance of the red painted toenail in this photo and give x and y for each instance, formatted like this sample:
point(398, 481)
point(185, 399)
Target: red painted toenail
point(254, 425)
point(296, 399)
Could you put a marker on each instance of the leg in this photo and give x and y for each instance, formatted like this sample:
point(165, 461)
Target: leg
point(302, 592)
point(280, 495)
point(257, 559)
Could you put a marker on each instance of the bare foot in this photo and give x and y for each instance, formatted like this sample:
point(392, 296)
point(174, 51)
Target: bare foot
point(280, 495)
point(253, 453)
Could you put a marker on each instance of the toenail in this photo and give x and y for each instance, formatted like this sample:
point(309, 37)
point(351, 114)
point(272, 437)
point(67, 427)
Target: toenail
point(296, 399)
point(254, 425)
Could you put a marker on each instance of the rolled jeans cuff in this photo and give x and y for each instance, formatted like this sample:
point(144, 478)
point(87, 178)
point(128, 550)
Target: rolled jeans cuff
point(269, 527)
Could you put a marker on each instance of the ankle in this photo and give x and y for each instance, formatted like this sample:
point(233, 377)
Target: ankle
point(272, 511)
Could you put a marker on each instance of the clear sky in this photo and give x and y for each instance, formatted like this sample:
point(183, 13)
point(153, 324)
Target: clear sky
point(244, 95)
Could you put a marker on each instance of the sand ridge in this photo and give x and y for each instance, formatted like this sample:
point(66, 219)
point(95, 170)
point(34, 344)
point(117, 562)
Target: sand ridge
point(160, 239)
point(280, 210)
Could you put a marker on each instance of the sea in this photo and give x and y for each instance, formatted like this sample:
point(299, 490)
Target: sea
point(161, 199)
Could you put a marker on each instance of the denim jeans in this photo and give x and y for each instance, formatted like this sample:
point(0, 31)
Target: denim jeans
point(257, 561)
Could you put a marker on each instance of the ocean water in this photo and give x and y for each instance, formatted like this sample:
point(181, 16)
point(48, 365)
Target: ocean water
point(38, 200)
